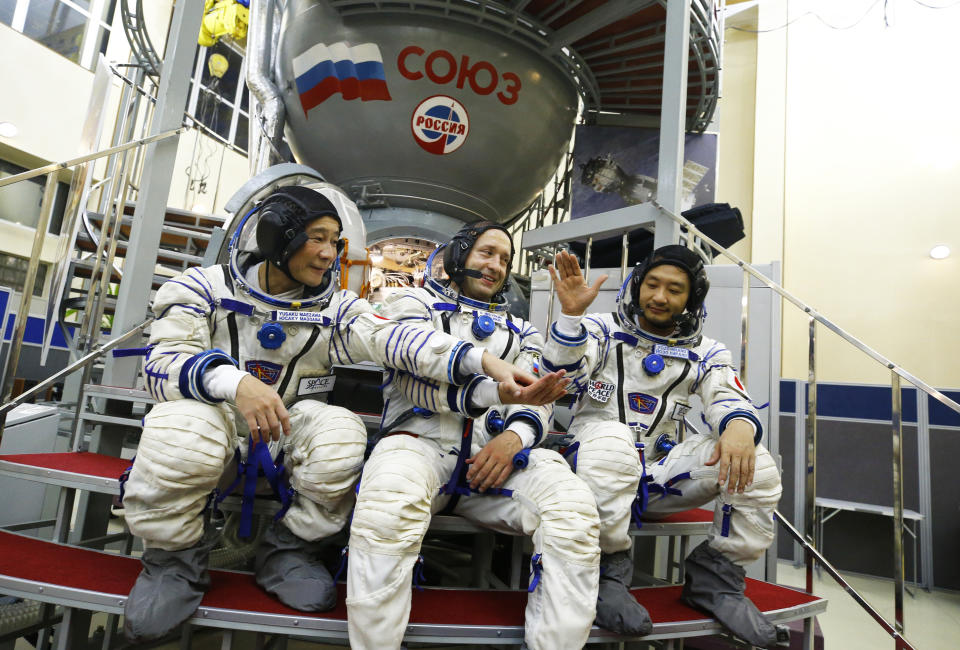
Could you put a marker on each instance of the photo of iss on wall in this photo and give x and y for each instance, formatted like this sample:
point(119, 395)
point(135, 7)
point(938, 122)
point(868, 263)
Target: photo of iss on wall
point(617, 166)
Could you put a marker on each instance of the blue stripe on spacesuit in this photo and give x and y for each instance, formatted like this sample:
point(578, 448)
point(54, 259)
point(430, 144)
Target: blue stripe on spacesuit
point(452, 397)
point(569, 367)
point(202, 281)
point(455, 354)
point(568, 341)
point(411, 359)
point(530, 416)
point(185, 306)
point(747, 415)
point(191, 374)
point(417, 353)
point(183, 284)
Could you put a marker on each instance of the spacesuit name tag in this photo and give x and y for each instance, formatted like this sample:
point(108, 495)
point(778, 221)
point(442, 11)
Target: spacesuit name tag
point(680, 411)
point(676, 353)
point(314, 385)
point(284, 316)
point(600, 391)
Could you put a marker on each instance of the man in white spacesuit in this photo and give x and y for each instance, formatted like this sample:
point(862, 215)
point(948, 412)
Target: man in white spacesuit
point(635, 372)
point(440, 454)
point(248, 347)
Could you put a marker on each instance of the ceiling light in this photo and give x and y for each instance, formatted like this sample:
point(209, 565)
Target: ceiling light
point(9, 129)
point(939, 252)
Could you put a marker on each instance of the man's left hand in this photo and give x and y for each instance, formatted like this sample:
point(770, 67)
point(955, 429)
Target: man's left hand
point(494, 463)
point(737, 455)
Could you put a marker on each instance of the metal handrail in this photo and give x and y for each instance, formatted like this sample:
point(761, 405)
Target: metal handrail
point(83, 361)
point(52, 167)
point(814, 314)
point(835, 574)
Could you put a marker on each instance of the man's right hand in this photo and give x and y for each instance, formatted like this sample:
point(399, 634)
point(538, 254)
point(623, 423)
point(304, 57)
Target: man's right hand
point(572, 289)
point(263, 410)
point(546, 390)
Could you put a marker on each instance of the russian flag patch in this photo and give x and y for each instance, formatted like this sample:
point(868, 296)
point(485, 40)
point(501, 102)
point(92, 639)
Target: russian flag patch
point(354, 71)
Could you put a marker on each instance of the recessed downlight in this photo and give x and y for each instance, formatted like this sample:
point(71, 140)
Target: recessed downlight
point(939, 252)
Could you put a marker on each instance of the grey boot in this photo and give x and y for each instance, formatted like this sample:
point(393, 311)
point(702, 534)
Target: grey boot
point(167, 591)
point(715, 585)
point(617, 610)
point(286, 569)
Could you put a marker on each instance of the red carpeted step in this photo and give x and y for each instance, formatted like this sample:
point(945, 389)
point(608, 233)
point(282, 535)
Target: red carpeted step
point(28, 558)
point(79, 462)
point(696, 515)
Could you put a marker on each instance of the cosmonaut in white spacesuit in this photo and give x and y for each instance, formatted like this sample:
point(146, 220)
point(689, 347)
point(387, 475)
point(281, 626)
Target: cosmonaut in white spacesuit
point(442, 453)
point(248, 347)
point(635, 372)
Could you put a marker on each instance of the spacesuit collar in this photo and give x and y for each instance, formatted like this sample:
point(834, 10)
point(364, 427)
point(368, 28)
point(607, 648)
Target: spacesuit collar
point(440, 289)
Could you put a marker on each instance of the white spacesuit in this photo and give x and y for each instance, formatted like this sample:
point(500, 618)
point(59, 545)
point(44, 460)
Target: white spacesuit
point(633, 391)
point(417, 469)
point(217, 325)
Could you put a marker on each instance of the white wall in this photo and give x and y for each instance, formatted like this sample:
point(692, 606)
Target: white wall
point(856, 161)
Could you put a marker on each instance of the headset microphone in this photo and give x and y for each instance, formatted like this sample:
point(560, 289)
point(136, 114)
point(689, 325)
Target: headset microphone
point(471, 273)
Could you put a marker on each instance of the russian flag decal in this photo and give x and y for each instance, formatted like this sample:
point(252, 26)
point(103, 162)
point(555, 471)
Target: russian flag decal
point(354, 71)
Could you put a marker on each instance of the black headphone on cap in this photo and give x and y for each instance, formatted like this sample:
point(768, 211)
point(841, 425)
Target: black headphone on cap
point(284, 215)
point(456, 251)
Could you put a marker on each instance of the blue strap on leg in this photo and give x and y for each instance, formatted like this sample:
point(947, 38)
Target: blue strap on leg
point(572, 450)
point(418, 578)
point(124, 477)
point(536, 568)
point(725, 524)
point(344, 555)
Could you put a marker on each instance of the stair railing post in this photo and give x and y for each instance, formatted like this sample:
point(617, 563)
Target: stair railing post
point(744, 326)
point(897, 421)
point(810, 520)
point(16, 340)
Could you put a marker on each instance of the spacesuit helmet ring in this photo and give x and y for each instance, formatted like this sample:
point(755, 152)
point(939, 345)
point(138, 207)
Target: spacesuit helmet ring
point(275, 228)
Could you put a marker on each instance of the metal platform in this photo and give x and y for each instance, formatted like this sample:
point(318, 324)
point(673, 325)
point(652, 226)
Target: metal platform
point(98, 581)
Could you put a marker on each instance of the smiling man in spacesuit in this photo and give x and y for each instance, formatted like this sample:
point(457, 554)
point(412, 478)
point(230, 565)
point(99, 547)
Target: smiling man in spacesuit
point(248, 347)
point(635, 372)
point(440, 454)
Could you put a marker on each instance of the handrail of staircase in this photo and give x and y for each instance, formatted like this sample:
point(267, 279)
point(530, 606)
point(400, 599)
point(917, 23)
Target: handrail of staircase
point(52, 167)
point(835, 574)
point(814, 314)
point(83, 361)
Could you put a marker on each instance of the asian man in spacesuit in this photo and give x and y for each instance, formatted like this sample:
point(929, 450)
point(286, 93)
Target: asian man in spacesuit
point(446, 453)
point(246, 348)
point(635, 372)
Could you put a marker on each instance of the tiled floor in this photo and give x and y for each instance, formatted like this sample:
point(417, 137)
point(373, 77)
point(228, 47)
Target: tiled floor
point(931, 619)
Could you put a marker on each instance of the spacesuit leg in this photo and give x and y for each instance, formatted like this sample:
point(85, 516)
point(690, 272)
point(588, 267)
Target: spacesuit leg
point(554, 506)
point(742, 530)
point(325, 450)
point(397, 492)
point(183, 450)
point(607, 460)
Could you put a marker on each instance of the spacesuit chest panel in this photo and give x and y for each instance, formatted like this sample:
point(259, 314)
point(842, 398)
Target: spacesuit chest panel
point(296, 352)
point(462, 324)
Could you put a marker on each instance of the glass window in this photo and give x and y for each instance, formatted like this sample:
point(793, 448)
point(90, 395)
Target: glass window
point(13, 273)
point(59, 27)
point(20, 202)
point(64, 26)
point(6, 11)
point(213, 101)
